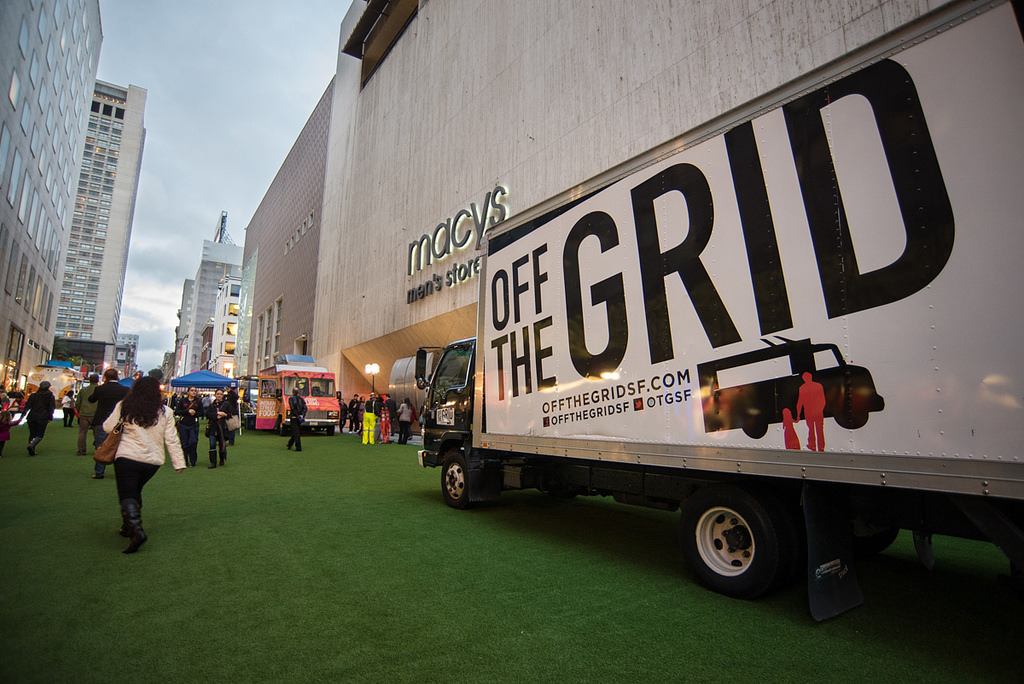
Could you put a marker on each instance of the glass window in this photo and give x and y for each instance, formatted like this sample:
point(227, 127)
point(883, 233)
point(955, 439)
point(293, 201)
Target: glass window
point(23, 205)
point(37, 298)
point(321, 387)
point(12, 267)
point(12, 191)
point(268, 387)
point(3, 249)
point(27, 299)
point(42, 22)
point(19, 292)
point(5, 148)
point(452, 372)
point(15, 88)
point(33, 214)
point(33, 70)
point(23, 38)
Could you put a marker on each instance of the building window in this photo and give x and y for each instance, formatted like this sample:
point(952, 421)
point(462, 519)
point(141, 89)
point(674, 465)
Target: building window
point(12, 190)
point(278, 305)
point(15, 88)
point(23, 38)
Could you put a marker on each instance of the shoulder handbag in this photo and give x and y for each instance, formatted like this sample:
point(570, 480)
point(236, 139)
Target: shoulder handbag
point(233, 423)
point(106, 452)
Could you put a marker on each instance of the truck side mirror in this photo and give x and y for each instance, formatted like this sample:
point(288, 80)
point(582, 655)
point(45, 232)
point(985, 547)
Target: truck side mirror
point(421, 368)
point(277, 393)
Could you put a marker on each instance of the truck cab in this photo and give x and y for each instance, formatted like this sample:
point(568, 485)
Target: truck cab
point(447, 415)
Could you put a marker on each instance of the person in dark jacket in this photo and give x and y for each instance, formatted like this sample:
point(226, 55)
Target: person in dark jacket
point(355, 413)
point(296, 414)
point(39, 410)
point(216, 430)
point(231, 401)
point(189, 409)
point(105, 397)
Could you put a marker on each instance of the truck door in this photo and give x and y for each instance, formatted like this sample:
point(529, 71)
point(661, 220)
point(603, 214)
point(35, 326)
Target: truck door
point(449, 400)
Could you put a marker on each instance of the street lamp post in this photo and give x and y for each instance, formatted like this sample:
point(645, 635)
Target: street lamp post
point(372, 369)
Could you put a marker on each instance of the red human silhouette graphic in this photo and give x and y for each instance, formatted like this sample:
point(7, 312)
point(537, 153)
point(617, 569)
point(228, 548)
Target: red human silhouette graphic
point(788, 431)
point(810, 405)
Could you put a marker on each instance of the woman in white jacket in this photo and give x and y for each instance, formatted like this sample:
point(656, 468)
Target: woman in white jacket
point(148, 430)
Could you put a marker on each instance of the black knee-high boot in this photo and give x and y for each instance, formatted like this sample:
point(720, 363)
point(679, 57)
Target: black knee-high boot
point(133, 517)
point(126, 527)
point(213, 458)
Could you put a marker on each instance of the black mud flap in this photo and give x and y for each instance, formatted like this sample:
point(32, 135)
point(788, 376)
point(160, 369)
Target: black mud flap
point(484, 484)
point(832, 586)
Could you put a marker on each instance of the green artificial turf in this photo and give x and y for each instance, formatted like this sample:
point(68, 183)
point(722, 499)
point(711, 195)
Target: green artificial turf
point(342, 563)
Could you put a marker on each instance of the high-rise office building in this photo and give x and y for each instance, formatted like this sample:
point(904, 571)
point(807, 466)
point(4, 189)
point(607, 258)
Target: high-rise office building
point(101, 226)
point(49, 52)
point(220, 259)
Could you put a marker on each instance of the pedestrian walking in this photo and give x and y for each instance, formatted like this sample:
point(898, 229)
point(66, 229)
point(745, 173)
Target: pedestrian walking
point(148, 433)
point(39, 408)
point(188, 410)
point(216, 430)
point(67, 405)
point(106, 397)
point(296, 414)
point(406, 417)
point(7, 421)
point(86, 411)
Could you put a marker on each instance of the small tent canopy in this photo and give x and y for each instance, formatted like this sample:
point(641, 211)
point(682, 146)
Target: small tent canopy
point(204, 379)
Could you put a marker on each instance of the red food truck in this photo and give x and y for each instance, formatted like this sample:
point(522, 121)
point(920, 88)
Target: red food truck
point(315, 385)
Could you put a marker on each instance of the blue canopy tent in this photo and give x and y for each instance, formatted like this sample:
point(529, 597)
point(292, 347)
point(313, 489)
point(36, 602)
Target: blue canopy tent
point(204, 379)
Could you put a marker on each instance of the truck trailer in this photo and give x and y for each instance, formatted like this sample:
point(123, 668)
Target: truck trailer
point(797, 325)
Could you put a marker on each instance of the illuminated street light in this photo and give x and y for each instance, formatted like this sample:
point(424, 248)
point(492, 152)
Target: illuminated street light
point(372, 369)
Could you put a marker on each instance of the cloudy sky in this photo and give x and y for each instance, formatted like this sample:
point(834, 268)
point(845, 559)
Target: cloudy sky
point(230, 84)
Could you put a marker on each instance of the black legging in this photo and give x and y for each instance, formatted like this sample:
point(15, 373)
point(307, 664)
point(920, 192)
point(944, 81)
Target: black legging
point(132, 476)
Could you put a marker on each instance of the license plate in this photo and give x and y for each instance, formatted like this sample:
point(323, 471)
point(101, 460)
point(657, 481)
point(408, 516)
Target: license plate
point(446, 415)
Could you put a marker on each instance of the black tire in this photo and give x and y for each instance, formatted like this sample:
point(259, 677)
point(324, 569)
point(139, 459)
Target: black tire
point(455, 479)
point(739, 543)
point(871, 545)
point(329, 430)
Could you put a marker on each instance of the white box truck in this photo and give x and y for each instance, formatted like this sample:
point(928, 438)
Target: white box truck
point(801, 325)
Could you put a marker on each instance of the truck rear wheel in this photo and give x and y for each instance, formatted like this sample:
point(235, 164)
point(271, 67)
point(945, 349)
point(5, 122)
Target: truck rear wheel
point(738, 544)
point(455, 479)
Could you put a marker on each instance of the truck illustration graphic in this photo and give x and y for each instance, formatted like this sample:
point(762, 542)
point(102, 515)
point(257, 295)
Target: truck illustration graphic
point(751, 390)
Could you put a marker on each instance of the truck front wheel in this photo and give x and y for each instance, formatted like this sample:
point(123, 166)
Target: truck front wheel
point(736, 543)
point(455, 479)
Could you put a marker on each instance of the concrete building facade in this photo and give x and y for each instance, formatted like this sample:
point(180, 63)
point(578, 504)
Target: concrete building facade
point(101, 226)
point(282, 243)
point(48, 58)
point(451, 116)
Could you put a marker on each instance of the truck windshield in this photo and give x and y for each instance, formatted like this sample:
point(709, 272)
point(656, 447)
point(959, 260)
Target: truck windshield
point(309, 387)
point(453, 371)
point(321, 387)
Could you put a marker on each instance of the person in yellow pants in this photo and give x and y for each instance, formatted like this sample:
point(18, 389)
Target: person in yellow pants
point(370, 415)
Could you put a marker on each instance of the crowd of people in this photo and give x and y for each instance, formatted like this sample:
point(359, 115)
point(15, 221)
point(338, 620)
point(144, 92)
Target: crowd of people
point(150, 426)
point(377, 418)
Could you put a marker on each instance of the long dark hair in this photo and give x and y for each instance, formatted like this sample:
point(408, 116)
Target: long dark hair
point(143, 403)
